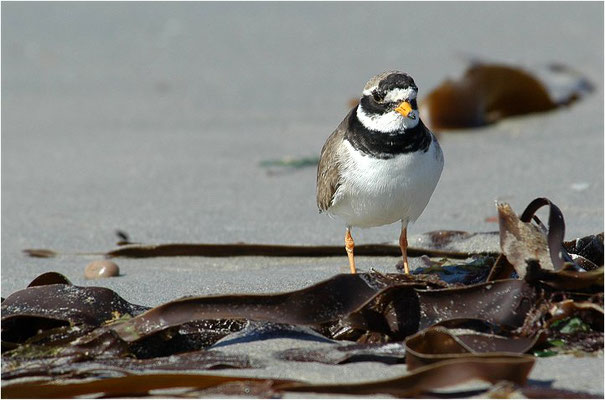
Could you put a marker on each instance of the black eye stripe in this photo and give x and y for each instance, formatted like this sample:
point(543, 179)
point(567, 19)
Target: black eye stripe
point(376, 107)
point(378, 97)
point(371, 106)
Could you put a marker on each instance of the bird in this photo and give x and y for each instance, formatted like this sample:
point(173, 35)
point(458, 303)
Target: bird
point(381, 164)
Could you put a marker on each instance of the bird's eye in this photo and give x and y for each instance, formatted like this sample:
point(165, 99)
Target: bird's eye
point(377, 97)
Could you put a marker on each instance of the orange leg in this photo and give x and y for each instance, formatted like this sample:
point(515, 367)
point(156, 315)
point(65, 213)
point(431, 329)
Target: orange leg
point(349, 246)
point(403, 244)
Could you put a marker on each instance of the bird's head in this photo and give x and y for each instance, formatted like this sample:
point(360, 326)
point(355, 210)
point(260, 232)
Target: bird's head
point(388, 103)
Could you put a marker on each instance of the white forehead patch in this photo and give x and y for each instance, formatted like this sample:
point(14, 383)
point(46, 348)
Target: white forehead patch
point(394, 94)
point(400, 94)
point(388, 122)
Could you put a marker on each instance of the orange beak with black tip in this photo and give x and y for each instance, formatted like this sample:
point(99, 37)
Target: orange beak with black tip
point(405, 109)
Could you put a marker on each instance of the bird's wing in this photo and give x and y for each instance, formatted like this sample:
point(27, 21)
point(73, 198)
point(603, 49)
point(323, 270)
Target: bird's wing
point(328, 175)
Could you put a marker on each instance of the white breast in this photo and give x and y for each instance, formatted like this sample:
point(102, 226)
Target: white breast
point(376, 192)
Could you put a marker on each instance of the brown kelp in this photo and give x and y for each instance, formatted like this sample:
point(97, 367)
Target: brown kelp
point(540, 296)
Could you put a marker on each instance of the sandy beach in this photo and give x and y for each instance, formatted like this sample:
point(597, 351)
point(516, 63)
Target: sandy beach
point(154, 119)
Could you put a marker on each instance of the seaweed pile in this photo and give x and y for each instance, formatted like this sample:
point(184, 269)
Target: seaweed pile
point(489, 92)
point(541, 296)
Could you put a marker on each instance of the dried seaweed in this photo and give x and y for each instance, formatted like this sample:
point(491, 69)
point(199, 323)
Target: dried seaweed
point(40, 253)
point(26, 311)
point(244, 388)
point(466, 272)
point(570, 325)
point(438, 343)
point(124, 386)
point(70, 367)
point(502, 302)
point(391, 353)
point(434, 376)
point(537, 253)
point(49, 278)
point(487, 93)
point(539, 392)
point(508, 390)
point(433, 244)
point(89, 340)
point(323, 302)
point(588, 247)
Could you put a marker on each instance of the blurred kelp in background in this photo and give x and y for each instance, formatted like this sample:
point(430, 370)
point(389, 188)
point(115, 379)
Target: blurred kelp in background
point(489, 92)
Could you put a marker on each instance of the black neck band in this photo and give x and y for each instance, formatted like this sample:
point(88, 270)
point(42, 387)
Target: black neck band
point(386, 145)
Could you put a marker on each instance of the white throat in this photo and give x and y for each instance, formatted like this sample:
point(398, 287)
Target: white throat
point(389, 122)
